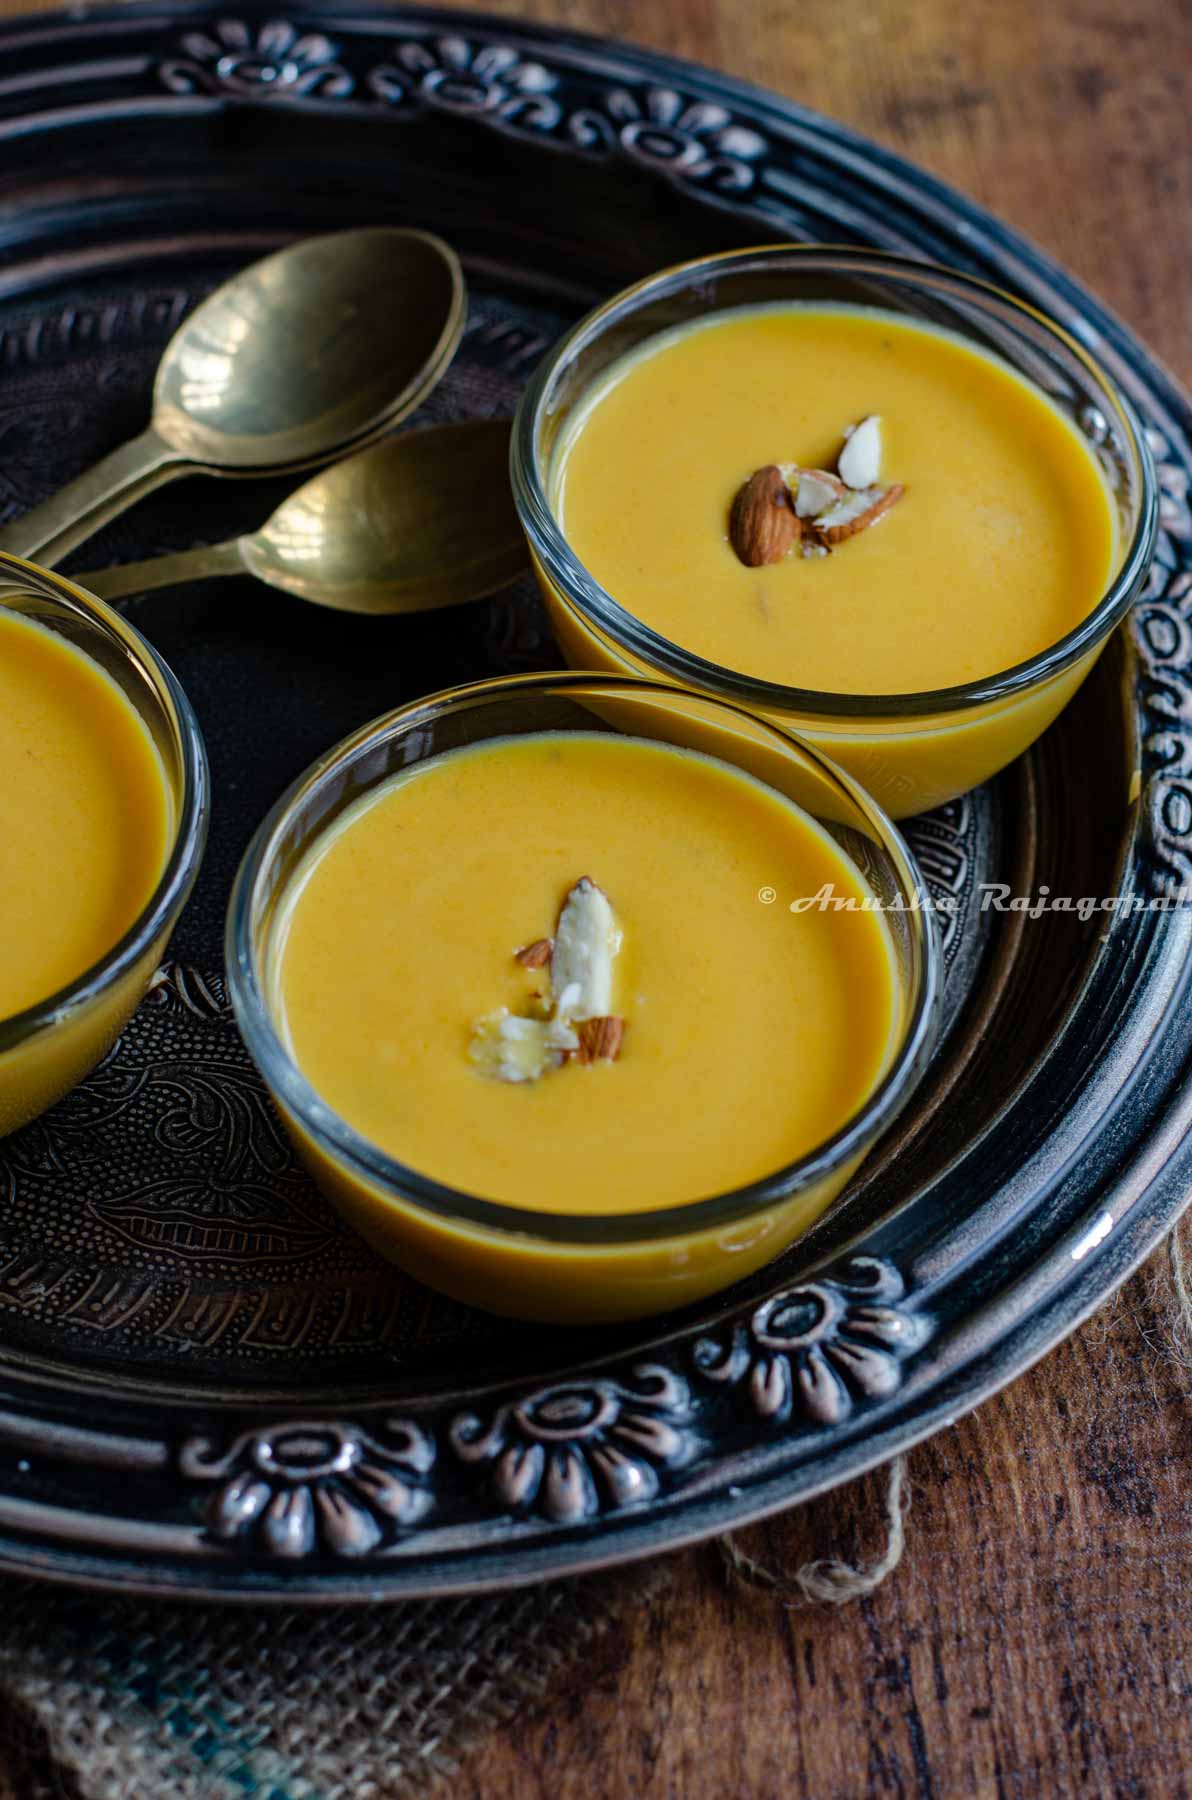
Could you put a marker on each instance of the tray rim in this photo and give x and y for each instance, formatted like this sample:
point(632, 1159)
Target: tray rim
point(1154, 1207)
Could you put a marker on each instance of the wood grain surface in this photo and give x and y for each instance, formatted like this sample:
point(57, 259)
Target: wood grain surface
point(1034, 1641)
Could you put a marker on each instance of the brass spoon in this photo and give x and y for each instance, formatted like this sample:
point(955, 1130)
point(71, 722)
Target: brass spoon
point(424, 520)
point(308, 355)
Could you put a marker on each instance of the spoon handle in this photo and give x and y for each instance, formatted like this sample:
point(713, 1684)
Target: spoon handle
point(53, 529)
point(164, 571)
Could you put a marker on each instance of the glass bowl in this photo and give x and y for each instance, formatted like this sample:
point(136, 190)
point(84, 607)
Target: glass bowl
point(523, 1261)
point(913, 750)
point(48, 1048)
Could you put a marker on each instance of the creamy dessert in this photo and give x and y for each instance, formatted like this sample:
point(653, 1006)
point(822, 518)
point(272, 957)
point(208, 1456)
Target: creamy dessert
point(86, 817)
point(938, 519)
point(84, 813)
point(838, 501)
point(539, 971)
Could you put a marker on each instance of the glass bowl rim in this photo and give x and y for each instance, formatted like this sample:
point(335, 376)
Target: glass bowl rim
point(190, 830)
point(596, 607)
point(336, 1138)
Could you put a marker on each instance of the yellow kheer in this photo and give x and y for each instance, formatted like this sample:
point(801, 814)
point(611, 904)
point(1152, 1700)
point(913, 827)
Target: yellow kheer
point(86, 818)
point(414, 974)
point(1003, 539)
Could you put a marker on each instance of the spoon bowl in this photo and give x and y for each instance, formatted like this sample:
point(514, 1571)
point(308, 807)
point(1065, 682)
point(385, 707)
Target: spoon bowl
point(320, 346)
point(423, 520)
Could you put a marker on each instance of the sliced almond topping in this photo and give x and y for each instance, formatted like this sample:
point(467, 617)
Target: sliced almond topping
point(575, 1020)
point(843, 512)
point(860, 462)
point(762, 525)
point(827, 508)
point(857, 513)
point(587, 939)
point(600, 1040)
point(815, 491)
point(507, 1047)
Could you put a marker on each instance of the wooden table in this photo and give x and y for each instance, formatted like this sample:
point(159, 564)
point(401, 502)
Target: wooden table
point(1033, 1642)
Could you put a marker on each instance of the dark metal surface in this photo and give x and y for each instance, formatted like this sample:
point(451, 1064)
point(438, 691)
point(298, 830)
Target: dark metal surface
point(206, 1383)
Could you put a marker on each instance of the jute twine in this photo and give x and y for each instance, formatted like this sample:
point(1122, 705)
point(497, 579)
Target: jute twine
point(1181, 1309)
point(831, 1581)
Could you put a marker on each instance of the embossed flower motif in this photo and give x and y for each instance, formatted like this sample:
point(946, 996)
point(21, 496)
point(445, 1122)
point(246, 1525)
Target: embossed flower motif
point(696, 140)
point(1175, 513)
point(492, 79)
point(814, 1348)
point(303, 1487)
point(1163, 632)
point(1162, 626)
point(234, 58)
point(571, 1450)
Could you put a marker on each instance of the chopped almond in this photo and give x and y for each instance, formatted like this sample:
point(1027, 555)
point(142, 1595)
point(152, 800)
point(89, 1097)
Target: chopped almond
point(762, 525)
point(860, 462)
point(813, 490)
point(857, 513)
point(507, 1047)
point(587, 938)
point(600, 1039)
point(575, 1022)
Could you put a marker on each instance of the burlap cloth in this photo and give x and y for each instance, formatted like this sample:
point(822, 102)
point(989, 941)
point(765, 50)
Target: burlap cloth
point(113, 1699)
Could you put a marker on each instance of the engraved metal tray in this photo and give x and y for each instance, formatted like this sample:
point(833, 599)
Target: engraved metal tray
point(207, 1384)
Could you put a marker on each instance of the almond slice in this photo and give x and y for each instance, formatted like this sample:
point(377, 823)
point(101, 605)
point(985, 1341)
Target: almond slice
point(587, 938)
point(860, 462)
point(600, 1039)
point(507, 1047)
point(857, 513)
point(522, 1046)
point(762, 525)
point(815, 490)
